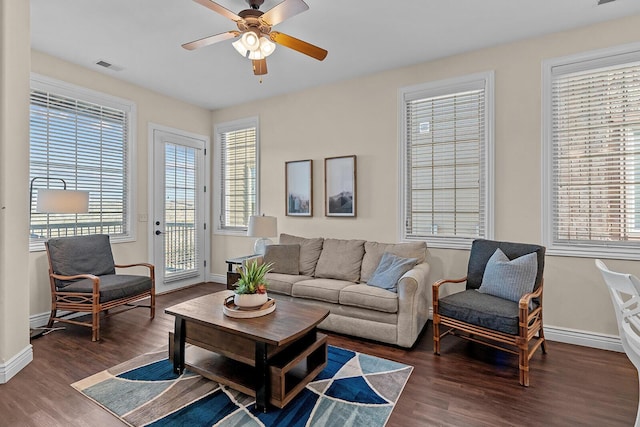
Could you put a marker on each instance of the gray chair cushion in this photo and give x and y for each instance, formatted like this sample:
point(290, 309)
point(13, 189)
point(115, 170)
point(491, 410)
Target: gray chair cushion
point(480, 309)
point(482, 250)
point(284, 258)
point(509, 279)
point(71, 256)
point(113, 286)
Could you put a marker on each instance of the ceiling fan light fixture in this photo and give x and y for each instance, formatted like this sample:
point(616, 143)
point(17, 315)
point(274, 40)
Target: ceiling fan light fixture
point(250, 40)
point(266, 46)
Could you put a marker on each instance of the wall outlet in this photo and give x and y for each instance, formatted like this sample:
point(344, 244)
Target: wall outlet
point(143, 217)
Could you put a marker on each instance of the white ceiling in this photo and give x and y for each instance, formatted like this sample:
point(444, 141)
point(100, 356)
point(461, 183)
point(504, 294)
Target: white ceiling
point(144, 37)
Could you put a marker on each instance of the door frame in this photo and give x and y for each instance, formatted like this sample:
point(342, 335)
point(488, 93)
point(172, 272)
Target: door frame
point(152, 129)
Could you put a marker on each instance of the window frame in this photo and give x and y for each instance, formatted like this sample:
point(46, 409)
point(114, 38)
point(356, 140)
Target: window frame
point(218, 130)
point(69, 90)
point(585, 61)
point(435, 89)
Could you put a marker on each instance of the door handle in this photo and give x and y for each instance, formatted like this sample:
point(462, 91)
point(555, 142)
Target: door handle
point(158, 232)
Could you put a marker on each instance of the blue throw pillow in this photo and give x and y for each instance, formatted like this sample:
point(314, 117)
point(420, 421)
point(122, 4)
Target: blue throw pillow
point(390, 270)
point(509, 279)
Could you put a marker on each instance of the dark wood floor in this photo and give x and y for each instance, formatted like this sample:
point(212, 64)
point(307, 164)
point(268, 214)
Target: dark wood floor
point(468, 385)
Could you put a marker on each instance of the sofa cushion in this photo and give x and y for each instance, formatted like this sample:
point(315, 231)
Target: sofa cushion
point(283, 258)
point(319, 289)
point(480, 309)
point(281, 283)
point(509, 279)
point(113, 286)
point(309, 251)
point(340, 259)
point(368, 297)
point(390, 270)
point(373, 254)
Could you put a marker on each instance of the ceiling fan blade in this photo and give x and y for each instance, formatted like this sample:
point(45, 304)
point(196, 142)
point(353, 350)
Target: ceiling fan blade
point(284, 10)
point(298, 45)
point(220, 9)
point(259, 67)
point(210, 40)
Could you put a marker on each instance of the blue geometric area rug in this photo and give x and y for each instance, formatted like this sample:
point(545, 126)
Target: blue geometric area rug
point(354, 389)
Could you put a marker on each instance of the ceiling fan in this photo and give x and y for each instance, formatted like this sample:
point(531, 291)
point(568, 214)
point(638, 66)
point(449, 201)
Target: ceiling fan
point(256, 40)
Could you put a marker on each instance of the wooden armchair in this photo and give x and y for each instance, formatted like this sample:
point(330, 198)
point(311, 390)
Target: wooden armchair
point(499, 322)
point(83, 279)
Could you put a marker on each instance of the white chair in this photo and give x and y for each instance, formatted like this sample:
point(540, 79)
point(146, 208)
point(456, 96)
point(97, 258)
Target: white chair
point(625, 294)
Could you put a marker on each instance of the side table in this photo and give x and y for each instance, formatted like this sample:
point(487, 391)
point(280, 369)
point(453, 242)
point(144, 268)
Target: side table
point(232, 276)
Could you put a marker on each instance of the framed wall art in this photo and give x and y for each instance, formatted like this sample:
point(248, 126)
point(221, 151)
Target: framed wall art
point(299, 188)
point(340, 186)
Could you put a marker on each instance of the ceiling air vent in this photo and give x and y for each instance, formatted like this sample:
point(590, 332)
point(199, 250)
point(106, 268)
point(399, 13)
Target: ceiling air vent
point(108, 65)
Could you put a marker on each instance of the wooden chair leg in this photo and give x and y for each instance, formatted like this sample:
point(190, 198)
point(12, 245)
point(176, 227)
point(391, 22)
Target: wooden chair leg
point(436, 337)
point(95, 326)
point(152, 305)
point(544, 341)
point(523, 365)
point(51, 316)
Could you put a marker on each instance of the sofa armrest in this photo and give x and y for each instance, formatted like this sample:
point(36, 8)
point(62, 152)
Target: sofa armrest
point(413, 303)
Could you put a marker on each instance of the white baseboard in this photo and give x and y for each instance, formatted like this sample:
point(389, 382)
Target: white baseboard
point(583, 338)
point(15, 364)
point(218, 278)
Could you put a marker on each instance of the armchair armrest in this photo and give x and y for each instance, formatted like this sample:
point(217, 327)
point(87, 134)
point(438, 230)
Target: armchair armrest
point(527, 317)
point(436, 288)
point(140, 264)
point(151, 267)
point(95, 279)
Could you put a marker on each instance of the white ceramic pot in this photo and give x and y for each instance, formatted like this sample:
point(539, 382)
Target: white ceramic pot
point(250, 300)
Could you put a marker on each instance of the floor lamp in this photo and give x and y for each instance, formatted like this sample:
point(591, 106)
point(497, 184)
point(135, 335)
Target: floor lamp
point(56, 201)
point(59, 201)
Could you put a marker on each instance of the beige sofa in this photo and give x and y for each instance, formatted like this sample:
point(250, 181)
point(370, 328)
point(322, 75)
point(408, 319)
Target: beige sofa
point(334, 274)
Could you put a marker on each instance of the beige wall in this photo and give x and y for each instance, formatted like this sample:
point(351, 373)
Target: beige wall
point(151, 108)
point(360, 117)
point(14, 178)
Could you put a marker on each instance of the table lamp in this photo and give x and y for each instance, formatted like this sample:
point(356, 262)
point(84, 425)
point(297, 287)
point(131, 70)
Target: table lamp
point(262, 227)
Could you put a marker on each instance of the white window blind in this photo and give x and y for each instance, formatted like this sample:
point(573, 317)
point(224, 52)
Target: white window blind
point(85, 144)
point(595, 152)
point(238, 175)
point(445, 192)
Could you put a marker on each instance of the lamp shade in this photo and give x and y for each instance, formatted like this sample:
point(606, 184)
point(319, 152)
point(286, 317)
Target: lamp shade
point(62, 201)
point(262, 226)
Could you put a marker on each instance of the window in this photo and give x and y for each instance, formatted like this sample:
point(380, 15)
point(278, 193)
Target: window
point(236, 179)
point(446, 161)
point(592, 154)
point(84, 138)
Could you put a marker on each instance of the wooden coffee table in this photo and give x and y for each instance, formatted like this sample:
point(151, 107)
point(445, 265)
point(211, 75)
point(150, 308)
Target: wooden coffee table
point(272, 357)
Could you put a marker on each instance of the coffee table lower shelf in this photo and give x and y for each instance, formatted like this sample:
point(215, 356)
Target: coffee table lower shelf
point(289, 371)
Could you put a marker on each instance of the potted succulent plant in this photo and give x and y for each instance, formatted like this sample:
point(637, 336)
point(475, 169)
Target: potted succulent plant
point(251, 289)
